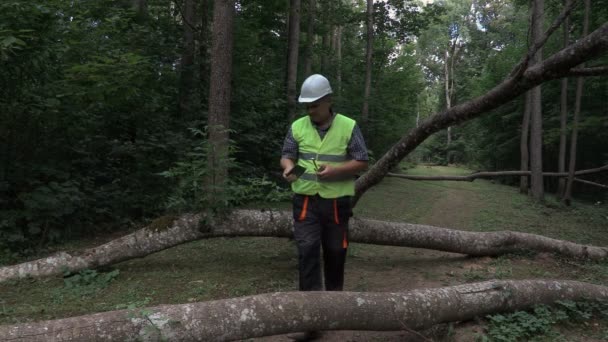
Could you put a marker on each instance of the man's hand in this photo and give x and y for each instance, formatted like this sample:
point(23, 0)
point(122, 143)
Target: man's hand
point(290, 178)
point(327, 172)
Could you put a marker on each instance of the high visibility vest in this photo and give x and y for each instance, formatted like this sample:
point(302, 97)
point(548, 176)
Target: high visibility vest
point(329, 151)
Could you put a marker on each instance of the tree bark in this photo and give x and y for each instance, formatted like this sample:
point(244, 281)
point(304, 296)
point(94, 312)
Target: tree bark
point(577, 111)
point(473, 176)
point(563, 118)
point(310, 37)
point(187, 61)
point(450, 54)
point(368, 68)
point(168, 232)
point(326, 7)
point(292, 56)
point(523, 145)
point(587, 72)
point(554, 67)
point(203, 51)
point(536, 110)
point(219, 95)
point(339, 60)
point(284, 312)
point(591, 183)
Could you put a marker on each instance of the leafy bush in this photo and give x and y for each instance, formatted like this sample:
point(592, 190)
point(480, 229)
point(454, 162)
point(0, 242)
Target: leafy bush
point(539, 322)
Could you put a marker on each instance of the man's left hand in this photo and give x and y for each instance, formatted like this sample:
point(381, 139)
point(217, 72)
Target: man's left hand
point(327, 172)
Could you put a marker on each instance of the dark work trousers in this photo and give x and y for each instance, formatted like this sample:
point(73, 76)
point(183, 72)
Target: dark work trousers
point(321, 222)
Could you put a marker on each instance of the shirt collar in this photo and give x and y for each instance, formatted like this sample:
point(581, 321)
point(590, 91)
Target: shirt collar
point(331, 119)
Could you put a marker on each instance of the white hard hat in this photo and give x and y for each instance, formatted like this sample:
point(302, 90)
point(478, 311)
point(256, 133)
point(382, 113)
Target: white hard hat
point(314, 87)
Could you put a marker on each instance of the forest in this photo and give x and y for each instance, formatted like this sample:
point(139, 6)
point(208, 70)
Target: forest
point(131, 128)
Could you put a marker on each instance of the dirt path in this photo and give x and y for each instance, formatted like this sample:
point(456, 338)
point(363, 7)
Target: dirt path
point(453, 210)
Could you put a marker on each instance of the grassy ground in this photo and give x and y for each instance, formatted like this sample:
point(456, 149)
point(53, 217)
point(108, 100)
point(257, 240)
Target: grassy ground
point(229, 267)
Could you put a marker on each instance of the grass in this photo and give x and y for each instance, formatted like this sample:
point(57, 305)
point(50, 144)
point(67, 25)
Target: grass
point(231, 267)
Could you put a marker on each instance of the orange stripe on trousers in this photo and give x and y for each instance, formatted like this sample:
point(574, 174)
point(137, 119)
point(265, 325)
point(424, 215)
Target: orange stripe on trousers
point(304, 209)
point(336, 218)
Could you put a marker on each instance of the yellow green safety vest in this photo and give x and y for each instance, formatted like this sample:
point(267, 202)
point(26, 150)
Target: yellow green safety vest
point(329, 151)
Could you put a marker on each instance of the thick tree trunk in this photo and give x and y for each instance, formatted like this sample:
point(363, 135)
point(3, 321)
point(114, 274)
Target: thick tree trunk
point(536, 112)
point(292, 56)
point(563, 117)
point(368, 68)
point(577, 111)
point(523, 145)
point(310, 37)
point(520, 81)
point(169, 232)
point(219, 95)
point(187, 61)
point(203, 51)
point(473, 176)
point(280, 313)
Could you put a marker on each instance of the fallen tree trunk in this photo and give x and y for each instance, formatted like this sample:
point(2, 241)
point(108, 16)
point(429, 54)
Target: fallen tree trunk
point(590, 183)
point(491, 174)
point(522, 79)
point(280, 313)
point(169, 232)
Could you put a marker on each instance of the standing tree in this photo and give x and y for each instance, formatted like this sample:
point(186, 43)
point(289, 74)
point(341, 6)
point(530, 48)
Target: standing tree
point(219, 95)
point(368, 66)
point(292, 56)
point(187, 61)
point(448, 67)
point(577, 111)
point(563, 117)
point(523, 144)
point(310, 37)
point(536, 113)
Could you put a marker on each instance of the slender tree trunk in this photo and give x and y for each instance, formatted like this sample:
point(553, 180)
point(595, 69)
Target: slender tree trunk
point(219, 96)
point(292, 56)
point(283, 312)
point(368, 68)
point(563, 118)
point(310, 37)
point(536, 114)
point(577, 110)
point(339, 61)
point(187, 61)
point(523, 144)
point(448, 103)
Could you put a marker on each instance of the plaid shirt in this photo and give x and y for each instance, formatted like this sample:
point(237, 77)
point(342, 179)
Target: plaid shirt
point(356, 146)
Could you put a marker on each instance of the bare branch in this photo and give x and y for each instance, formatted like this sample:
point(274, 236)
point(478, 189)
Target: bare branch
point(590, 183)
point(475, 175)
point(591, 71)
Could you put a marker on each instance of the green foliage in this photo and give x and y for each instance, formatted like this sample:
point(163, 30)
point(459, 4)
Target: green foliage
point(192, 190)
point(539, 322)
point(83, 284)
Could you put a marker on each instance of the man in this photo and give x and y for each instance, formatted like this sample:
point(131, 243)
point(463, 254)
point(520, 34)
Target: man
point(329, 149)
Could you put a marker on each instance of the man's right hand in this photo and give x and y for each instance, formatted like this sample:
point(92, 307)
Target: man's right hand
point(290, 178)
